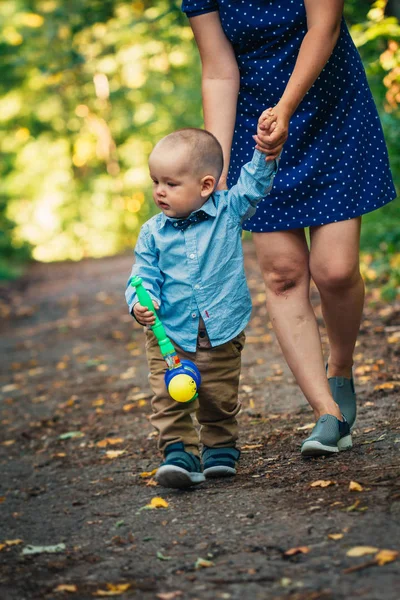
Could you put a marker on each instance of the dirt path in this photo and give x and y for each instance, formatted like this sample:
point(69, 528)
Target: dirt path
point(74, 378)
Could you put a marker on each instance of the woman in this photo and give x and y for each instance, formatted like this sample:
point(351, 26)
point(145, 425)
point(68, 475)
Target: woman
point(297, 56)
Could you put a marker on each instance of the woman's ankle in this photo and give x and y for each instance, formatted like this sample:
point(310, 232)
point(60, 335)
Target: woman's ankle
point(340, 369)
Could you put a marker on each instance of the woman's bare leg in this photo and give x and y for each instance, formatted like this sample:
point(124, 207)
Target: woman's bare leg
point(284, 261)
point(334, 265)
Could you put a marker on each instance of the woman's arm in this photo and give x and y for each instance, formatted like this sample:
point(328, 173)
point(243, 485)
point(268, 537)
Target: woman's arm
point(323, 29)
point(220, 82)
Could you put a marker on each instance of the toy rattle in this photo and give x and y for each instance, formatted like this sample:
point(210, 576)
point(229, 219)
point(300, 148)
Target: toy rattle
point(183, 377)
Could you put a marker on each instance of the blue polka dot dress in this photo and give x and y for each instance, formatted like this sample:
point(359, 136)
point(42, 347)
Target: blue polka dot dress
point(334, 165)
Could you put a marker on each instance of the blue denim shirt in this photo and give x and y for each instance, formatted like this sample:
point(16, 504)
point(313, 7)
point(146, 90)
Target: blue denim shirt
point(199, 271)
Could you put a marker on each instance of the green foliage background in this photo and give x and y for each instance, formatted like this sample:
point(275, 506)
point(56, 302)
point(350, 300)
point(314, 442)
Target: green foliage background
point(86, 89)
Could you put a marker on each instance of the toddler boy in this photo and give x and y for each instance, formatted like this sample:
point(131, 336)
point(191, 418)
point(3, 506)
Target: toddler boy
point(190, 259)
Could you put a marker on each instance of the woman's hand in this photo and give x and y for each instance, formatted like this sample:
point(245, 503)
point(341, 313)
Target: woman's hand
point(143, 315)
point(272, 132)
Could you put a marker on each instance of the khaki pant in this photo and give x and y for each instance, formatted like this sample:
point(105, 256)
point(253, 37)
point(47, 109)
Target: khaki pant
point(215, 407)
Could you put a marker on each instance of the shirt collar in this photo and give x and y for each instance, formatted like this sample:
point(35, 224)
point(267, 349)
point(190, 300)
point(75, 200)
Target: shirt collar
point(209, 208)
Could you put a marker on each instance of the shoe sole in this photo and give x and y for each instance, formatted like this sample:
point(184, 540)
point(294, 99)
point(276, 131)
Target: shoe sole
point(314, 448)
point(214, 472)
point(175, 477)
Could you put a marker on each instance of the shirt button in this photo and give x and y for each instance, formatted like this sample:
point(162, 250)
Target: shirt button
point(194, 315)
point(197, 287)
point(192, 255)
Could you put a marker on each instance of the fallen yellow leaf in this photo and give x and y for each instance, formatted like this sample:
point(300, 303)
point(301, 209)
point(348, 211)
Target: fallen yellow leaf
point(109, 442)
point(115, 453)
point(158, 502)
point(306, 426)
point(389, 385)
point(148, 473)
point(2, 499)
point(298, 550)
point(322, 483)
point(128, 407)
point(386, 556)
point(355, 487)
point(113, 589)
point(98, 402)
point(151, 482)
point(335, 536)
point(65, 587)
point(2, 546)
point(361, 551)
point(13, 542)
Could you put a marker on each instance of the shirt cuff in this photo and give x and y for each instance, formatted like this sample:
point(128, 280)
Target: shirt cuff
point(270, 167)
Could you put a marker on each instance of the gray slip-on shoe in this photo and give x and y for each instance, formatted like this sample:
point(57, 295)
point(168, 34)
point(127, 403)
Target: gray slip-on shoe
point(342, 390)
point(329, 436)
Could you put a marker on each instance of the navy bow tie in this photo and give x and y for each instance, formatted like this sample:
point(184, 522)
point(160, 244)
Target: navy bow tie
point(196, 217)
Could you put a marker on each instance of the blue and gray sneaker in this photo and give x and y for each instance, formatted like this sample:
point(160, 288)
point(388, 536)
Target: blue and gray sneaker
point(343, 392)
point(180, 469)
point(219, 462)
point(328, 437)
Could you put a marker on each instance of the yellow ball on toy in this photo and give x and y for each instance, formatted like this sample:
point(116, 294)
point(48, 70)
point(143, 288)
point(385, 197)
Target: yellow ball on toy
point(182, 388)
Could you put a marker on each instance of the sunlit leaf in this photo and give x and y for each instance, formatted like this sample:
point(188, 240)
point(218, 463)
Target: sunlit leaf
point(335, 536)
point(148, 473)
point(115, 453)
point(202, 563)
point(355, 487)
point(65, 587)
point(361, 551)
point(322, 483)
point(297, 550)
point(386, 556)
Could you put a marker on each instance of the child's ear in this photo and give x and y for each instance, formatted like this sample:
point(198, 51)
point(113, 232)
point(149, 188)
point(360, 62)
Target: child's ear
point(207, 185)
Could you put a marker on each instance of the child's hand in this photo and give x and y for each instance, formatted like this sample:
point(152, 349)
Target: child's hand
point(143, 315)
point(272, 132)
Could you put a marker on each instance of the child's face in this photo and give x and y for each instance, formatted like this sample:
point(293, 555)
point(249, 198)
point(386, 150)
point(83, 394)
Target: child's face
point(177, 191)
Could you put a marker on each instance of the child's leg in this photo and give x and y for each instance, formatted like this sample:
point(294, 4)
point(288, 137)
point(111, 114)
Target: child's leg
point(218, 393)
point(173, 420)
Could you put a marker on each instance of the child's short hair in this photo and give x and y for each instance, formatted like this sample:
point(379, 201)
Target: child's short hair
point(204, 150)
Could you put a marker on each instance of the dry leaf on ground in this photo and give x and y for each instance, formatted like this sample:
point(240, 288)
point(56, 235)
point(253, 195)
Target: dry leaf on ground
point(115, 453)
point(113, 589)
point(297, 550)
point(170, 595)
point(355, 487)
point(158, 502)
point(109, 442)
point(202, 563)
point(386, 556)
point(148, 473)
point(65, 587)
point(322, 483)
point(361, 551)
point(335, 536)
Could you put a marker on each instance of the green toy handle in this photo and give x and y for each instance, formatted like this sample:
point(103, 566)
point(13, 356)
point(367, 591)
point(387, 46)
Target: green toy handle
point(167, 349)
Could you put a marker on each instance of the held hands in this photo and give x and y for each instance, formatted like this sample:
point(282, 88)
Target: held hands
point(143, 315)
point(272, 132)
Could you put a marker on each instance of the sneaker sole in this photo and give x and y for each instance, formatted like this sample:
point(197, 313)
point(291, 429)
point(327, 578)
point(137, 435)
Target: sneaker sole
point(178, 478)
point(213, 472)
point(314, 448)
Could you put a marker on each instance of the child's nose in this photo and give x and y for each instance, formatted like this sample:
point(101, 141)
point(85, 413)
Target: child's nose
point(160, 190)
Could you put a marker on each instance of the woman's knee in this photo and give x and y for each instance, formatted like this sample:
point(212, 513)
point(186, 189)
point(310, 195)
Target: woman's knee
point(335, 275)
point(281, 276)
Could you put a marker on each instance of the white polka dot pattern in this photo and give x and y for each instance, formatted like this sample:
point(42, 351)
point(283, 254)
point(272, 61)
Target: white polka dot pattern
point(334, 164)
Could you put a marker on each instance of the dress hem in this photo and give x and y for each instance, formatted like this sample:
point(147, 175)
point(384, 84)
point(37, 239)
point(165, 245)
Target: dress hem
point(311, 222)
